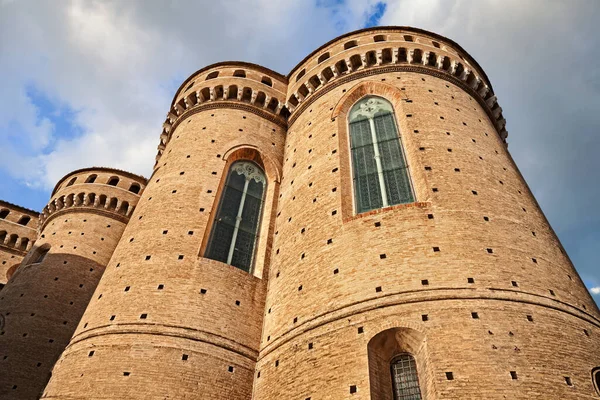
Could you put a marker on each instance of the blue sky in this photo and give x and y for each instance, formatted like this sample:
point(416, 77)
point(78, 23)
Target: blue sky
point(88, 83)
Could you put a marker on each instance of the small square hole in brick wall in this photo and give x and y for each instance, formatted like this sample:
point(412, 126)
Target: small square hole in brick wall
point(237, 303)
point(276, 363)
point(429, 216)
point(202, 209)
point(416, 131)
point(449, 376)
point(586, 332)
point(470, 280)
point(300, 288)
point(174, 191)
point(336, 271)
point(486, 218)
point(184, 357)
point(302, 256)
point(425, 317)
point(329, 241)
point(530, 318)
point(378, 289)
point(513, 374)
point(568, 381)
point(143, 316)
point(180, 257)
point(147, 258)
point(353, 389)
point(514, 283)
point(295, 319)
point(552, 292)
point(334, 212)
point(382, 256)
point(334, 170)
point(490, 251)
point(126, 373)
point(456, 169)
point(427, 168)
point(165, 232)
point(127, 288)
point(534, 260)
point(533, 233)
point(408, 115)
point(230, 368)
point(474, 315)
point(424, 282)
point(112, 317)
point(434, 190)
point(161, 287)
point(449, 150)
point(310, 346)
point(91, 353)
point(421, 148)
point(361, 330)
point(202, 291)
point(436, 249)
point(190, 233)
point(474, 192)
point(334, 189)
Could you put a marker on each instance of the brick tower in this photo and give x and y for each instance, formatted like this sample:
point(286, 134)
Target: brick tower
point(47, 294)
point(355, 230)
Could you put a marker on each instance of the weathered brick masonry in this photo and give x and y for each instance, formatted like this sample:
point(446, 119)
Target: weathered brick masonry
point(470, 279)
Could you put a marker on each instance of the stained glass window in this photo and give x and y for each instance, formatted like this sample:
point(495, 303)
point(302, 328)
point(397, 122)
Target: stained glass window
point(235, 229)
point(405, 379)
point(380, 171)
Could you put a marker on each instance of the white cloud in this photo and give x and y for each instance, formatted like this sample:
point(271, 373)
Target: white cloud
point(595, 290)
point(117, 65)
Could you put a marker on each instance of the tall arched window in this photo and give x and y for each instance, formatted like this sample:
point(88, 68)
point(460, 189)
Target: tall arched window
point(404, 378)
point(379, 167)
point(235, 228)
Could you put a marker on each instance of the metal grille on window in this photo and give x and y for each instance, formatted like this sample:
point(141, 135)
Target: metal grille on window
point(405, 379)
point(235, 229)
point(380, 172)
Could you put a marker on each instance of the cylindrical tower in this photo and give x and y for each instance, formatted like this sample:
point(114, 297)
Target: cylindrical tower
point(411, 260)
point(179, 310)
point(18, 231)
point(47, 294)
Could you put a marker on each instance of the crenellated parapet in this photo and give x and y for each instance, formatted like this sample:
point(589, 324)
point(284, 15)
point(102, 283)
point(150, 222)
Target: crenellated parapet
point(383, 50)
point(102, 190)
point(228, 85)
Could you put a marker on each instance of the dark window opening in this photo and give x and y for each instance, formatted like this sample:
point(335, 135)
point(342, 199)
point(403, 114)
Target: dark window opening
point(350, 44)
point(379, 38)
point(212, 75)
point(300, 75)
point(113, 181)
point(322, 57)
point(267, 81)
point(24, 220)
point(91, 179)
point(134, 188)
point(240, 73)
point(235, 230)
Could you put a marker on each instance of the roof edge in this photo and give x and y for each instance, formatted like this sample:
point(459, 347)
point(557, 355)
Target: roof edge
point(104, 169)
point(393, 28)
point(233, 64)
point(18, 207)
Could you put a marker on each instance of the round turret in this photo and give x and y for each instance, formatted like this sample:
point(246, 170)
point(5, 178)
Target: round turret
point(175, 300)
point(48, 292)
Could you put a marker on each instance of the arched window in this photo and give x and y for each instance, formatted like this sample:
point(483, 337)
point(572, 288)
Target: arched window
point(113, 181)
point(91, 178)
point(379, 167)
point(235, 228)
point(404, 378)
point(134, 188)
point(24, 220)
point(4, 213)
point(40, 254)
point(72, 181)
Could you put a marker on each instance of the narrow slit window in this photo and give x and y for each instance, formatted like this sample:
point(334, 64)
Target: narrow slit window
point(235, 230)
point(404, 378)
point(380, 172)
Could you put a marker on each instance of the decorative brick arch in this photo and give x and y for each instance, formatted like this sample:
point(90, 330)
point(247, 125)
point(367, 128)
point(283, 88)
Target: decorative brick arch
point(368, 88)
point(387, 345)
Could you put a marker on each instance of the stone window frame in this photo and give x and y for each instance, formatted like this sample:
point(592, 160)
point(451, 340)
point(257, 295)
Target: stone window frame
point(410, 144)
point(265, 236)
